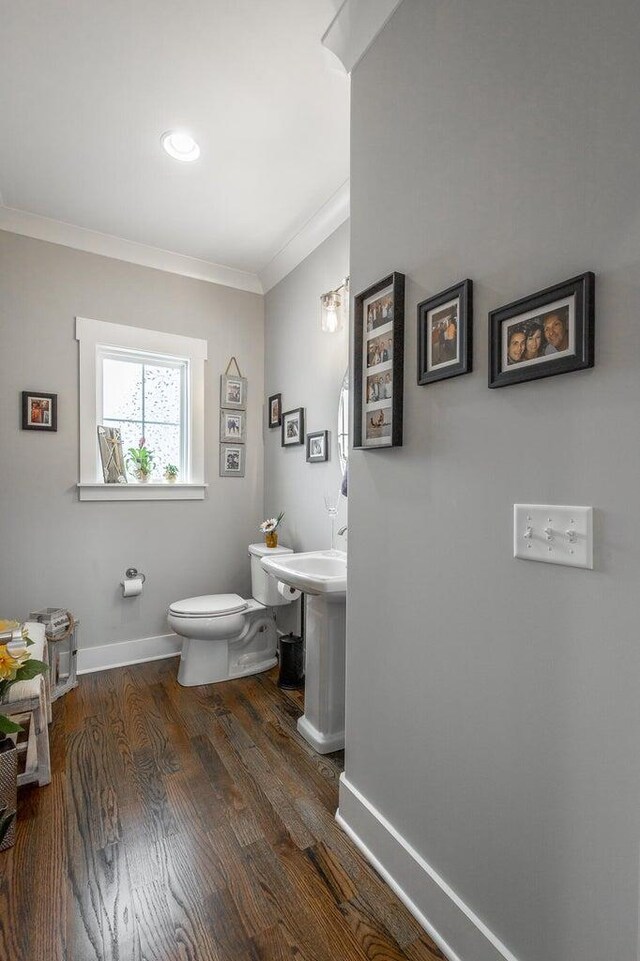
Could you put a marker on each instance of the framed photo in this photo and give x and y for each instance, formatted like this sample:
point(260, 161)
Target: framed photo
point(379, 364)
point(445, 334)
point(233, 391)
point(318, 446)
point(233, 426)
point(551, 332)
point(275, 410)
point(39, 410)
point(232, 460)
point(293, 427)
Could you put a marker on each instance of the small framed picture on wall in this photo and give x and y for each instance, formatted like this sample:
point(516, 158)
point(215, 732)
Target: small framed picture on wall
point(318, 446)
point(39, 410)
point(274, 410)
point(445, 334)
point(232, 460)
point(233, 391)
point(292, 427)
point(233, 424)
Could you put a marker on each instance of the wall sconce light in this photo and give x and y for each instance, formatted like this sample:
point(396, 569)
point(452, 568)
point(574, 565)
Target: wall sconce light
point(334, 307)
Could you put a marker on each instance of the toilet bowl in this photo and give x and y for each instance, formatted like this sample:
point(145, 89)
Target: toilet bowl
point(226, 636)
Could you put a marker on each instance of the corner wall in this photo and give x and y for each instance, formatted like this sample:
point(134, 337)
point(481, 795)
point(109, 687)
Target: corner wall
point(57, 551)
point(493, 716)
point(307, 367)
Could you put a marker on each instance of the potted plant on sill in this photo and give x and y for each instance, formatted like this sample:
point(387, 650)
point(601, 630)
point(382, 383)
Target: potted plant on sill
point(16, 664)
point(270, 530)
point(171, 473)
point(140, 461)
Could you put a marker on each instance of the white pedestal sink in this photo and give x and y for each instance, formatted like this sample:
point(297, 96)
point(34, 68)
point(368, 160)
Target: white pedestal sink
point(322, 575)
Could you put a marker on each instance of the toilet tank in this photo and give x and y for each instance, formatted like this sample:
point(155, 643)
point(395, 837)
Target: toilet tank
point(263, 585)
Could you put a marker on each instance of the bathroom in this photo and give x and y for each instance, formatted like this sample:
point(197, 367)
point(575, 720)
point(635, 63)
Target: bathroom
point(485, 805)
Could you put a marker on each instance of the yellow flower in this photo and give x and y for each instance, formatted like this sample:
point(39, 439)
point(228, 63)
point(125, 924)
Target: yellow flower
point(6, 626)
point(8, 664)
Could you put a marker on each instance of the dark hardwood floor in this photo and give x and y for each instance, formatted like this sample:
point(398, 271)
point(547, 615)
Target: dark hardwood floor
point(191, 825)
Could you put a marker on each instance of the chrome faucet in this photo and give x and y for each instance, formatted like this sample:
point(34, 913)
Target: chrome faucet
point(342, 531)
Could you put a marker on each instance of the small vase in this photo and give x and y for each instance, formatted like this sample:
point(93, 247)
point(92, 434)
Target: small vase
point(271, 538)
point(141, 477)
point(170, 478)
point(8, 787)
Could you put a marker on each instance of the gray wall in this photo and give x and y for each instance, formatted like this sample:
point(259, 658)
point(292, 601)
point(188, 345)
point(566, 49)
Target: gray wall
point(58, 551)
point(493, 705)
point(307, 367)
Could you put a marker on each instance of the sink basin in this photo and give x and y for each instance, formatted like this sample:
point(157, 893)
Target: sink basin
point(314, 572)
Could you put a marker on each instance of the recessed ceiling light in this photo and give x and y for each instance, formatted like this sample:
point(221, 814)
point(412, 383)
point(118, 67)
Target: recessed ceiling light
point(180, 145)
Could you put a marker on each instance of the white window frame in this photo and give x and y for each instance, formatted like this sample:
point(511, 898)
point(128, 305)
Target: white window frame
point(96, 338)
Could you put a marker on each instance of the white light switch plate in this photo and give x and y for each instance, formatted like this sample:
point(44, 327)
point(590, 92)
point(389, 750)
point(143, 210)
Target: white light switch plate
point(553, 534)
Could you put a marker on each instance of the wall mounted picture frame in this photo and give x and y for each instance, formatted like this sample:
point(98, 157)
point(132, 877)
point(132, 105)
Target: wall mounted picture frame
point(233, 426)
point(318, 446)
point(292, 427)
point(445, 334)
point(232, 460)
point(39, 410)
point(547, 333)
point(379, 364)
point(274, 410)
point(233, 391)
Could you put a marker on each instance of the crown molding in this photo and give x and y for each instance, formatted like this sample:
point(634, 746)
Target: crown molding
point(106, 245)
point(355, 27)
point(321, 225)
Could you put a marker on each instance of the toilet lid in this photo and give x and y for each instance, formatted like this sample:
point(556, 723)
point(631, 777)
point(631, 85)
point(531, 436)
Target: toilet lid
point(209, 605)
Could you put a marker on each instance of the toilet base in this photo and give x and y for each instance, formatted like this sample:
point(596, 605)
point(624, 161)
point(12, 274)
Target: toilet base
point(221, 659)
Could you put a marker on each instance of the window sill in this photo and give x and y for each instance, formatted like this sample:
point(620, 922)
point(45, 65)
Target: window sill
point(141, 492)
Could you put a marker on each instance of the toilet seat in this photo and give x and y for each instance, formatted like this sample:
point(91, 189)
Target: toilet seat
point(209, 605)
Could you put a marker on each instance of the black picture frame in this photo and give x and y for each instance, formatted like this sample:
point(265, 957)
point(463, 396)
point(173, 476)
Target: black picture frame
point(296, 415)
point(565, 311)
point(379, 328)
point(271, 420)
point(39, 404)
point(324, 455)
point(445, 334)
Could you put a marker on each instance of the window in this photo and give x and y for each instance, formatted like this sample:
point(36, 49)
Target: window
point(148, 384)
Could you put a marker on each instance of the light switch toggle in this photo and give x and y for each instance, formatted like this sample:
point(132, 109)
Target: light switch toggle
point(571, 536)
point(528, 534)
point(549, 533)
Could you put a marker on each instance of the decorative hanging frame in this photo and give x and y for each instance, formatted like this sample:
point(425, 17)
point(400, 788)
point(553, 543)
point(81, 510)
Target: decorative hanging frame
point(233, 388)
point(233, 398)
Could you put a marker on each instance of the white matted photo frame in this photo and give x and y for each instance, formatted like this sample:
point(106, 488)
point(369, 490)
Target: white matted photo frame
point(233, 391)
point(547, 333)
point(39, 410)
point(292, 427)
point(318, 446)
point(232, 460)
point(233, 426)
point(445, 334)
point(379, 364)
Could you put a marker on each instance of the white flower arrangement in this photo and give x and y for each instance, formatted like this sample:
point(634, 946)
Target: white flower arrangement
point(271, 524)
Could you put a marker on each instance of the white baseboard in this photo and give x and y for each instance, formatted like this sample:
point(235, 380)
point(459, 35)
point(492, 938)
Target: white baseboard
point(123, 653)
point(455, 928)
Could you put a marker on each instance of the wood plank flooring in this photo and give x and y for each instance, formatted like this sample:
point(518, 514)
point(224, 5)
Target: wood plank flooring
point(191, 825)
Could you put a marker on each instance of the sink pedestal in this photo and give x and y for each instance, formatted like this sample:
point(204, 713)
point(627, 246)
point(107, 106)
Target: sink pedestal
point(322, 723)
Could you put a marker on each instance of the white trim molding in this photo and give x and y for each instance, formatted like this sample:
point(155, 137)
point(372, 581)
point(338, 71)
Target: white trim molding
point(324, 222)
point(93, 336)
point(452, 924)
point(106, 245)
point(354, 28)
point(122, 653)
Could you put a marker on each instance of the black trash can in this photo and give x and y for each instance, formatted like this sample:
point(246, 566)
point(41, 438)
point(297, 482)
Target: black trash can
point(291, 676)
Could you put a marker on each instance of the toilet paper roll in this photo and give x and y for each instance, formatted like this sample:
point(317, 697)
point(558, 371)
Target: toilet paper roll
point(131, 587)
point(289, 593)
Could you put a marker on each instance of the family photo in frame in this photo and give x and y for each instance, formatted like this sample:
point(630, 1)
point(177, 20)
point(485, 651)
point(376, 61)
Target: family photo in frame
point(378, 364)
point(39, 411)
point(445, 334)
point(550, 332)
point(292, 427)
point(318, 446)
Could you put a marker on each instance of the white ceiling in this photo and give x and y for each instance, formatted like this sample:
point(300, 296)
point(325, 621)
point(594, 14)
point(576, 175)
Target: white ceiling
point(87, 87)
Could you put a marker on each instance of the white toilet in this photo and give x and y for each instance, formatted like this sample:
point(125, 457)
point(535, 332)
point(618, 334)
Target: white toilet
point(226, 636)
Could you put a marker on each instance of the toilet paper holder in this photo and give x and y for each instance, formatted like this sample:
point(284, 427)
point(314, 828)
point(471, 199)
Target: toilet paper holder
point(133, 572)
